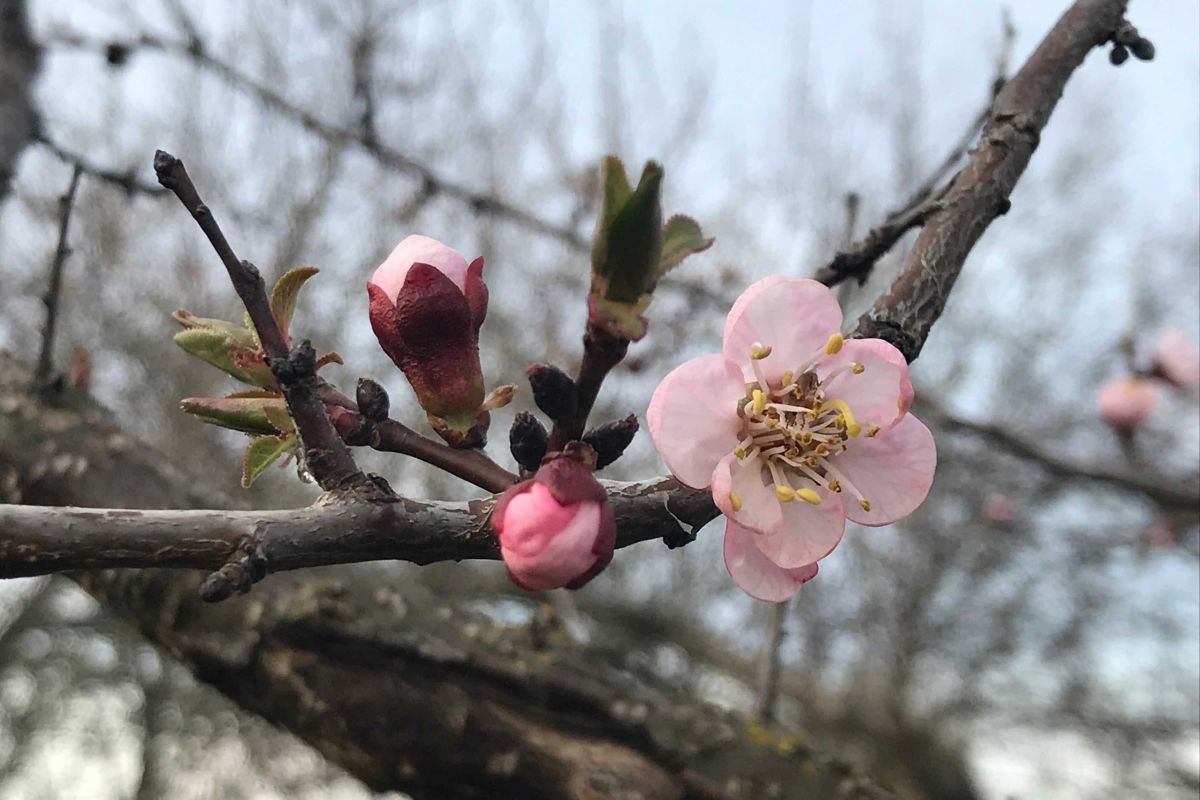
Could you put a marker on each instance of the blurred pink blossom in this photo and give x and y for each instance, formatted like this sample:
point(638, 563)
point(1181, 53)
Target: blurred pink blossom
point(1127, 402)
point(1176, 360)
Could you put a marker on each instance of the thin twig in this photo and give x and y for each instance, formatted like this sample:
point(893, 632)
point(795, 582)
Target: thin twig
point(42, 378)
point(980, 191)
point(126, 181)
point(856, 260)
point(480, 202)
point(1169, 497)
point(326, 456)
point(601, 352)
point(772, 660)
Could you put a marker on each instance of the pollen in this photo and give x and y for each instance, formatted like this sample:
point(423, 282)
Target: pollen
point(857, 368)
point(865, 504)
point(759, 400)
point(833, 344)
point(735, 501)
point(786, 494)
point(872, 430)
point(760, 351)
point(809, 496)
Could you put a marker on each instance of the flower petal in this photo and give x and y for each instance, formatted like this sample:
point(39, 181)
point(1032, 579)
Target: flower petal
point(807, 533)
point(755, 573)
point(757, 508)
point(693, 419)
point(794, 316)
point(893, 470)
point(416, 249)
point(882, 393)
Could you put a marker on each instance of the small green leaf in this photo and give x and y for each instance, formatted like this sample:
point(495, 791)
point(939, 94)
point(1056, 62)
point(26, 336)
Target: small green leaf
point(283, 296)
point(252, 415)
point(615, 191)
point(682, 237)
point(634, 243)
point(262, 452)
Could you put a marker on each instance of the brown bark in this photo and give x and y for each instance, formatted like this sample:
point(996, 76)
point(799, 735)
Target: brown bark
point(430, 700)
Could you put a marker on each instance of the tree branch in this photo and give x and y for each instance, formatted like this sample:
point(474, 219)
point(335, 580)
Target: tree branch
point(40, 541)
point(979, 192)
point(42, 379)
point(1171, 498)
point(325, 455)
point(433, 184)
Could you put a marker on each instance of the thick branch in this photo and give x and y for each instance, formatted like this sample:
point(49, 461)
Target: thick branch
point(979, 192)
point(39, 541)
point(407, 692)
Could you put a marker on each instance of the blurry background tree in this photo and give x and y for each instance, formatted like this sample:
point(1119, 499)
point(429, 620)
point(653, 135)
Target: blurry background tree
point(1031, 632)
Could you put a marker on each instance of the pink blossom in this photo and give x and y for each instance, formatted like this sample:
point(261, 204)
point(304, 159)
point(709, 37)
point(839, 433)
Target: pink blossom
point(555, 529)
point(426, 306)
point(794, 431)
point(1127, 402)
point(1176, 360)
point(998, 509)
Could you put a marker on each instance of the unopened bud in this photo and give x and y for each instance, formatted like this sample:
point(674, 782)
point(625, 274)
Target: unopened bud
point(610, 439)
point(1143, 49)
point(373, 402)
point(1118, 55)
point(553, 391)
point(527, 441)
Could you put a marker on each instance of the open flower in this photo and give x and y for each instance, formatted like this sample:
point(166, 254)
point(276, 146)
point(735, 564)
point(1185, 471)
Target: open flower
point(794, 430)
point(1127, 402)
point(555, 529)
point(426, 306)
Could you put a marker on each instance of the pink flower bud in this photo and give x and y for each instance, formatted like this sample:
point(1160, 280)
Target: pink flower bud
point(426, 306)
point(555, 529)
point(1176, 360)
point(1125, 403)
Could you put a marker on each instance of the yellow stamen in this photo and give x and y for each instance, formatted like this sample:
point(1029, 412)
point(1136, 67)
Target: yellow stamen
point(760, 401)
point(740, 452)
point(804, 437)
point(872, 429)
point(809, 496)
point(821, 449)
point(735, 501)
point(834, 486)
point(760, 351)
point(833, 344)
point(786, 494)
point(857, 368)
point(852, 426)
point(787, 378)
point(865, 504)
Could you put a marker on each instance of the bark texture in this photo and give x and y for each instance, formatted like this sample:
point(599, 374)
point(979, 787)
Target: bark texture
point(428, 699)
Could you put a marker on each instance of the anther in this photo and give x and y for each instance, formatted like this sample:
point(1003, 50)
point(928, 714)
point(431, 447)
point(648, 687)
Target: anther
point(809, 496)
point(760, 351)
point(759, 401)
point(735, 501)
point(865, 504)
point(872, 429)
point(786, 494)
point(833, 344)
point(857, 368)
point(834, 486)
